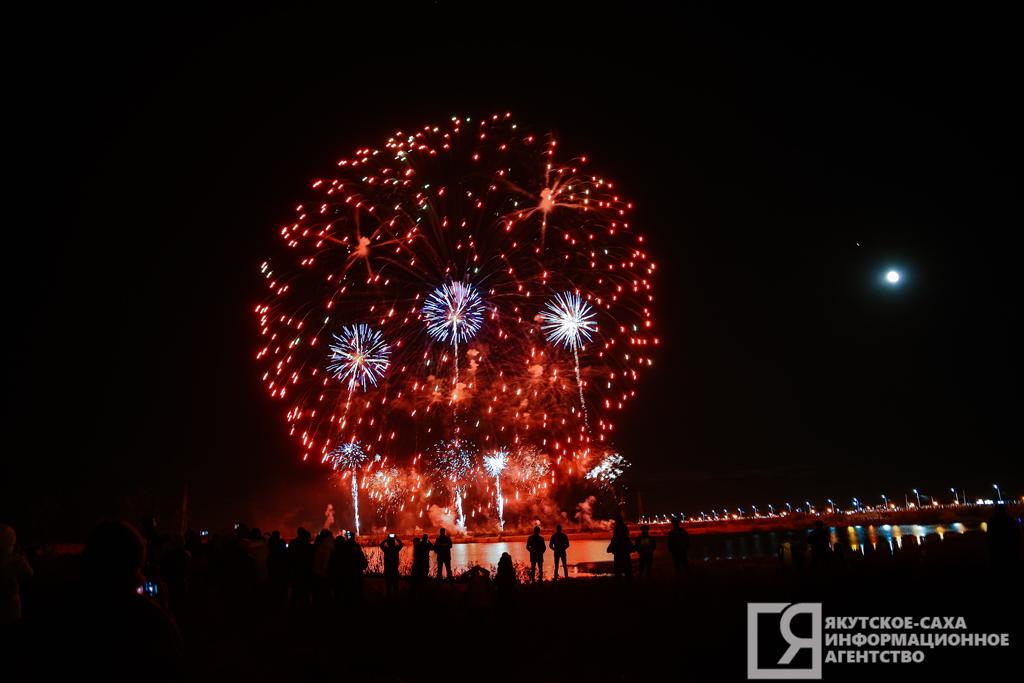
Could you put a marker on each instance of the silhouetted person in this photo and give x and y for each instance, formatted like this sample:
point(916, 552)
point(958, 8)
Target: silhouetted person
point(258, 553)
point(14, 572)
point(559, 544)
point(799, 552)
point(620, 548)
point(300, 569)
point(323, 550)
point(238, 567)
point(839, 554)
point(174, 566)
point(479, 594)
point(391, 547)
point(679, 546)
point(506, 580)
point(277, 569)
point(421, 548)
point(339, 569)
point(1003, 539)
point(645, 545)
point(535, 546)
point(443, 551)
point(818, 540)
point(121, 629)
point(357, 565)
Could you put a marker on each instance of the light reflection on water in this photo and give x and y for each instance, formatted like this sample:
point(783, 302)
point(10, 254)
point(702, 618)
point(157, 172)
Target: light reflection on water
point(710, 546)
point(487, 554)
point(853, 538)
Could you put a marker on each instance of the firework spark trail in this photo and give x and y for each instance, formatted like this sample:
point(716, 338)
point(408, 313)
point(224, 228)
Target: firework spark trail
point(607, 472)
point(460, 515)
point(355, 503)
point(360, 355)
point(579, 383)
point(349, 457)
point(528, 469)
point(453, 462)
point(569, 320)
point(391, 488)
point(454, 312)
point(495, 463)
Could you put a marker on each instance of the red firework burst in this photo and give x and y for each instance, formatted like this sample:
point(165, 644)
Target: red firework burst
point(487, 205)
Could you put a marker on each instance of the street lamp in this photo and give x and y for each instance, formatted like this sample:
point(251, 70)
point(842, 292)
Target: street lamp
point(956, 498)
point(885, 501)
point(999, 494)
point(918, 497)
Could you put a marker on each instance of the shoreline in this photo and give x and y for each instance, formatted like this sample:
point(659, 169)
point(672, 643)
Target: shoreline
point(940, 514)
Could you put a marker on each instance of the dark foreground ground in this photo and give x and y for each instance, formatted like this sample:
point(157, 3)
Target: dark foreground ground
point(661, 629)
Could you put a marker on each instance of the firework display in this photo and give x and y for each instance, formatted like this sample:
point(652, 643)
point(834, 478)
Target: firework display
point(528, 469)
point(391, 489)
point(609, 469)
point(358, 355)
point(495, 464)
point(348, 458)
point(453, 463)
point(569, 321)
point(463, 285)
point(454, 313)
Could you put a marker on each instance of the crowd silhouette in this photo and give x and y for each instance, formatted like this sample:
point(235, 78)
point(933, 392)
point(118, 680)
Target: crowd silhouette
point(134, 584)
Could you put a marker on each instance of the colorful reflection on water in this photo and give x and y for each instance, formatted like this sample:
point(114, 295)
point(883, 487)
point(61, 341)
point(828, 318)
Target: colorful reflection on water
point(860, 539)
point(487, 554)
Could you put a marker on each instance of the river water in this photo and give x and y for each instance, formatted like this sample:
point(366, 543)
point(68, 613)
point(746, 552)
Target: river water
point(703, 547)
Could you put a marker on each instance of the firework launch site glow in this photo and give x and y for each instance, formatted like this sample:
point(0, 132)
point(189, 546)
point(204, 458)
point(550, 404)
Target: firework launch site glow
point(465, 285)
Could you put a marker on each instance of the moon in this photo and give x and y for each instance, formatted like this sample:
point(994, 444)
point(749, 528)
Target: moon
point(892, 277)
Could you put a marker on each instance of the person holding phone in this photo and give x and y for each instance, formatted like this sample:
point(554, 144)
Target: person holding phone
point(391, 547)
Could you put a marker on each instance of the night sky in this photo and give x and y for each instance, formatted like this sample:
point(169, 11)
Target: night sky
point(780, 165)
